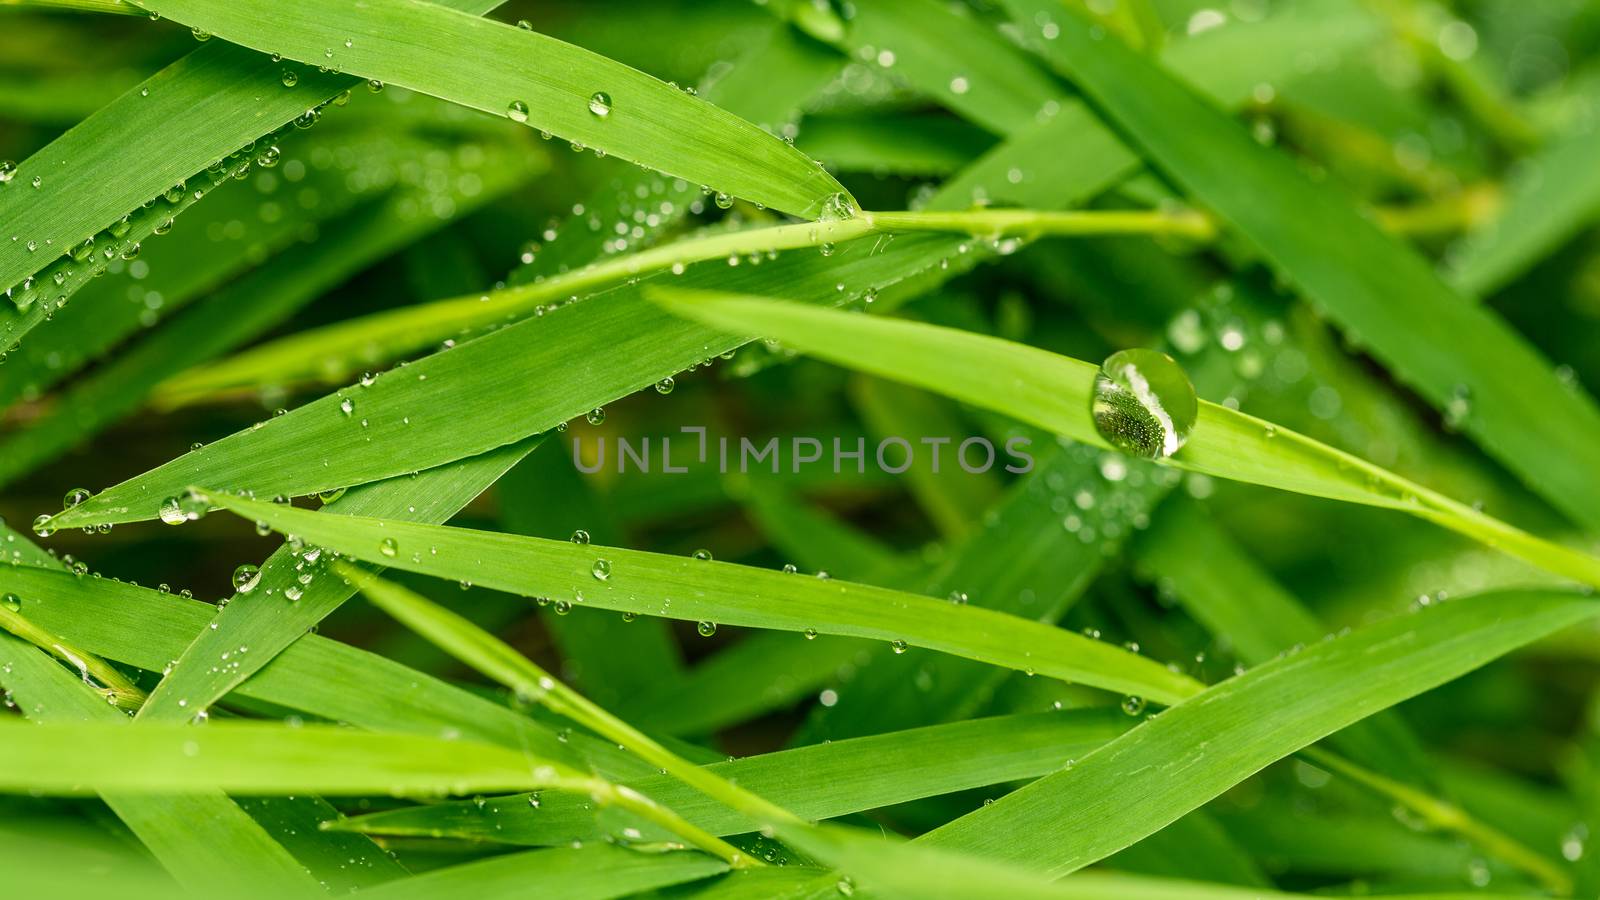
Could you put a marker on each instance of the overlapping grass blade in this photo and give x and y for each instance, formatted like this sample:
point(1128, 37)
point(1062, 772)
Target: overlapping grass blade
point(1053, 392)
point(288, 606)
point(528, 77)
point(596, 872)
point(441, 408)
point(820, 781)
point(235, 849)
point(1241, 725)
point(1495, 386)
point(267, 758)
point(147, 629)
point(704, 590)
point(255, 303)
point(1062, 161)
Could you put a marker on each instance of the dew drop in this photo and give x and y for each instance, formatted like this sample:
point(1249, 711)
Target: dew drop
point(172, 511)
point(1143, 403)
point(706, 629)
point(245, 578)
point(665, 385)
point(703, 555)
point(580, 536)
point(517, 111)
point(601, 569)
point(600, 104)
point(897, 646)
point(595, 416)
point(75, 497)
point(388, 547)
point(1133, 706)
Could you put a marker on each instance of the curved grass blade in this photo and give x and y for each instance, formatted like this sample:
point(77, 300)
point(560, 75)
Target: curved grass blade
point(530, 78)
point(1065, 821)
point(1496, 385)
point(817, 782)
point(1053, 392)
point(703, 590)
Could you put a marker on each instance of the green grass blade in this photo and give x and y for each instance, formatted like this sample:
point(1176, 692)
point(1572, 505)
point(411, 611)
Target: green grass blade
point(1387, 296)
point(255, 303)
point(147, 629)
point(439, 409)
point(266, 621)
point(703, 590)
point(817, 782)
point(596, 872)
point(1065, 821)
point(235, 848)
point(531, 78)
point(269, 759)
point(1053, 392)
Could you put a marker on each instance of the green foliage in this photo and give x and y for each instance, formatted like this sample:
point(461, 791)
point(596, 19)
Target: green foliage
point(606, 523)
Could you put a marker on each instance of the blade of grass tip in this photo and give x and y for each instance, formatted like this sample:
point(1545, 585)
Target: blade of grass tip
point(1489, 380)
point(1053, 392)
point(260, 300)
point(820, 781)
point(720, 593)
point(530, 78)
point(596, 872)
point(499, 661)
point(1266, 713)
point(768, 85)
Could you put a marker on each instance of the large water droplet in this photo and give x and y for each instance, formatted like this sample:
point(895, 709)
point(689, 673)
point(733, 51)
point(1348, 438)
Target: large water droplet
point(600, 104)
point(1143, 403)
point(517, 111)
point(245, 578)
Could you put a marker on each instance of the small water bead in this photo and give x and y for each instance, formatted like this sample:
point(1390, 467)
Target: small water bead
point(11, 602)
point(595, 416)
point(811, 634)
point(388, 547)
point(1143, 403)
point(665, 385)
point(293, 592)
point(703, 555)
point(8, 171)
point(347, 406)
point(706, 629)
point(290, 78)
point(562, 607)
point(600, 104)
point(601, 569)
point(897, 646)
point(1133, 706)
point(75, 497)
point(517, 111)
point(245, 578)
point(580, 536)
